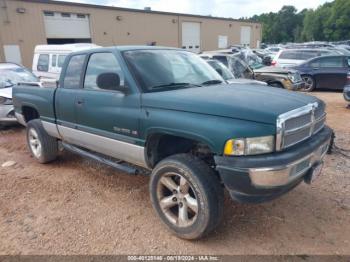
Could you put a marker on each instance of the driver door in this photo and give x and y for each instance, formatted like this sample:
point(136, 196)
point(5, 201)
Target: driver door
point(108, 120)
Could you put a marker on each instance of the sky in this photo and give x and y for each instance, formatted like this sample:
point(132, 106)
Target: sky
point(222, 8)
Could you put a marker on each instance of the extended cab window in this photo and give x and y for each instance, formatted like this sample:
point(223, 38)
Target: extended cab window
point(74, 72)
point(43, 63)
point(101, 63)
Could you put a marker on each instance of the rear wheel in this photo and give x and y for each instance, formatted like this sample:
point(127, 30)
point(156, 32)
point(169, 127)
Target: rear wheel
point(187, 196)
point(42, 146)
point(309, 83)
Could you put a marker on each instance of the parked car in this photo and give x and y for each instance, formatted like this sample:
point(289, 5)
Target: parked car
point(293, 57)
point(10, 75)
point(48, 59)
point(166, 110)
point(227, 75)
point(273, 76)
point(266, 56)
point(328, 72)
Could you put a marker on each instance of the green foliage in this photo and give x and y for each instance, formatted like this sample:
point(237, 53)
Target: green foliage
point(329, 22)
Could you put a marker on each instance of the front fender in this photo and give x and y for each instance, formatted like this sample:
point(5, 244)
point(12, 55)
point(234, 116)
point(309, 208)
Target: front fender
point(211, 130)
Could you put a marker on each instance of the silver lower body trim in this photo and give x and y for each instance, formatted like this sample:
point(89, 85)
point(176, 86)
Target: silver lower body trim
point(121, 150)
point(51, 129)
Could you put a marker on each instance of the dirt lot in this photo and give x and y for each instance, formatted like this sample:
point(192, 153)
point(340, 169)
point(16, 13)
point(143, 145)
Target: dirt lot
point(74, 206)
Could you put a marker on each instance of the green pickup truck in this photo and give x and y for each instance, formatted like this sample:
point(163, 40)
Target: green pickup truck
point(165, 112)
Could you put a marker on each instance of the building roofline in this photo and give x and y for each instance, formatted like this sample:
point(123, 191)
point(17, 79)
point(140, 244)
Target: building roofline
point(135, 10)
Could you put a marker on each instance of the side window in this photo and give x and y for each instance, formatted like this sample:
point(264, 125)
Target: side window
point(74, 72)
point(308, 55)
point(331, 62)
point(101, 63)
point(43, 63)
point(60, 60)
point(294, 55)
point(53, 60)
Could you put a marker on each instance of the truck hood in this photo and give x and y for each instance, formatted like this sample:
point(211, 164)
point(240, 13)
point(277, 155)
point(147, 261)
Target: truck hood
point(247, 102)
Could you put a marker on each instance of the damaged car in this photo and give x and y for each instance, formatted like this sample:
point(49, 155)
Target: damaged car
point(11, 75)
point(247, 65)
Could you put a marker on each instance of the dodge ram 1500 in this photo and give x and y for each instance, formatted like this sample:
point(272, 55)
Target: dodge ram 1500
point(167, 112)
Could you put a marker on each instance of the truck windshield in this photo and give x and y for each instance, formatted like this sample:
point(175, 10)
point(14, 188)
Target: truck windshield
point(162, 70)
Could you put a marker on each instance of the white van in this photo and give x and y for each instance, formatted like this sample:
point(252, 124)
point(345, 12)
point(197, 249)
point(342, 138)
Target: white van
point(48, 59)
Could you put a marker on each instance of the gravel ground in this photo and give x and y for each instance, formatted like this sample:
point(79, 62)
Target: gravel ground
point(74, 206)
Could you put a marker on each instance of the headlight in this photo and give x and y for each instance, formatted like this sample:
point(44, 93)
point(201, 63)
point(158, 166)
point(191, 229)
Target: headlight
point(294, 77)
point(5, 101)
point(249, 146)
point(291, 77)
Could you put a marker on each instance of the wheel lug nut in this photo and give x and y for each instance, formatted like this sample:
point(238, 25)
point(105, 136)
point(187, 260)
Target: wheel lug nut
point(180, 204)
point(174, 199)
point(174, 191)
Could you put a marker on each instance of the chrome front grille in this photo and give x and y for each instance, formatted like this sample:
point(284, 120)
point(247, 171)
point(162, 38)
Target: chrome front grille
point(299, 124)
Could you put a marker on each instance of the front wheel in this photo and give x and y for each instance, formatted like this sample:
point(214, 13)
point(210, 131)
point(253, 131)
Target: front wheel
point(309, 83)
point(43, 147)
point(187, 196)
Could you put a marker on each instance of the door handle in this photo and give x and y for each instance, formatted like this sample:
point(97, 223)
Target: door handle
point(79, 102)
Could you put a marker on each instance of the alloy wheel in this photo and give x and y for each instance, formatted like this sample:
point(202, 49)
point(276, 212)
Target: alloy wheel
point(34, 142)
point(177, 199)
point(308, 83)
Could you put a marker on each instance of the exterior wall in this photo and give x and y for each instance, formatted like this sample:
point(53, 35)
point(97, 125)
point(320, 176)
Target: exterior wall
point(134, 28)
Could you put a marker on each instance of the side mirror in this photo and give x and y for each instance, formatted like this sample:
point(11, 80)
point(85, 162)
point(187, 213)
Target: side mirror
point(110, 81)
point(219, 70)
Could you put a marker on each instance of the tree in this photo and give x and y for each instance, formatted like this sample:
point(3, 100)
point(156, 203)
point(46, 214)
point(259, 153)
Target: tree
point(328, 22)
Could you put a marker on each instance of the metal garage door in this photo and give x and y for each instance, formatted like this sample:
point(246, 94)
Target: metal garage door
point(245, 35)
point(66, 25)
point(191, 36)
point(12, 54)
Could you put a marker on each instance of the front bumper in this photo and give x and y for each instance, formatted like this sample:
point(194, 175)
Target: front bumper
point(265, 177)
point(293, 86)
point(7, 115)
point(347, 93)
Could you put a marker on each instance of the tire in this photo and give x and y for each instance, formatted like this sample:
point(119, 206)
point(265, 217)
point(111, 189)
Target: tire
point(42, 146)
point(199, 199)
point(309, 83)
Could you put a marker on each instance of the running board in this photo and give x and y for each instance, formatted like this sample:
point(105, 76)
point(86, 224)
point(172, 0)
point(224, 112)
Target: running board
point(117, 165)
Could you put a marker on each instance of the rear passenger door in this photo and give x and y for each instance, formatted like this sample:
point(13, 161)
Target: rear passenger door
point(330, 72)
point(66, 94)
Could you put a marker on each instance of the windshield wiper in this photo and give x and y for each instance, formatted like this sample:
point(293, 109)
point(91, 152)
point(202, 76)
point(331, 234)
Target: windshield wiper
point(212, 82)
point(173, 85)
